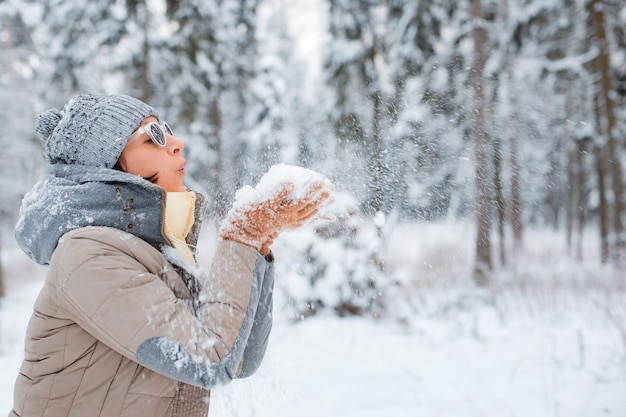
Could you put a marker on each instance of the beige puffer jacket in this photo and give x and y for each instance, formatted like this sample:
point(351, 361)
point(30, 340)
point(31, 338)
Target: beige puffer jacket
point(116, 332)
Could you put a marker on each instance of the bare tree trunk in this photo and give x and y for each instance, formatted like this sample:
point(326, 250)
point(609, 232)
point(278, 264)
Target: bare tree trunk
point(482, 262)
point(572, 112)
point(377, 200)
point(500, 205)
point(515, 200)
point(221, 206)
point(1, 269)
point(613, 159)
point(603, 214)
point(581, 193)
point(514, 206)
point(570, 198)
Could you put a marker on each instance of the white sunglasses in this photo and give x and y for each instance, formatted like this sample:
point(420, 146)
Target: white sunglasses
point(156, 132)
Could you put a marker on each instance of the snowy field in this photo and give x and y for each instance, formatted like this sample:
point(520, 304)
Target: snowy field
point(525, 350)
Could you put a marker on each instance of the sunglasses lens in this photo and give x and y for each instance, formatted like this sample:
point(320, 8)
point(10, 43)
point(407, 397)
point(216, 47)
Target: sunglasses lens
point(168, 129)
point(157, 135)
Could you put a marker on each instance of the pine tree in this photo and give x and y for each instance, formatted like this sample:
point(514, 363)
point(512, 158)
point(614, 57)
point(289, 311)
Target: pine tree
point(96, 47)
point(267, 97)
point(19, 146)
point(353, 66)
point(215, 48)
point(428, 108)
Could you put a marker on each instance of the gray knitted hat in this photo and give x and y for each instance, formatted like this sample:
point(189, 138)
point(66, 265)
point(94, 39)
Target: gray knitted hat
point(91, 130)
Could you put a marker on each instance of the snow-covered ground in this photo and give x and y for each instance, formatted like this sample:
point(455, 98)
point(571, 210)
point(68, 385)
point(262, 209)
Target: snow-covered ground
point(527, 351)
point(533, 368)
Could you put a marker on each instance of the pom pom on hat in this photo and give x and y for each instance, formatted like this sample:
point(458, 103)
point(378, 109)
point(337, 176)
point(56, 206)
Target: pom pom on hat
point(91, 130)
point(46, 122)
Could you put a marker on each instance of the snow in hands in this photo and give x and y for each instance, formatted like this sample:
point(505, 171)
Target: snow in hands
point(279, 179)
point(285, 198)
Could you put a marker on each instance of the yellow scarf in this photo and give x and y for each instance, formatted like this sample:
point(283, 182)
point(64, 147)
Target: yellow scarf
point(179, 217)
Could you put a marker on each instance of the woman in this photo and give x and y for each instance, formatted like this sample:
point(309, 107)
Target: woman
point(126, 324)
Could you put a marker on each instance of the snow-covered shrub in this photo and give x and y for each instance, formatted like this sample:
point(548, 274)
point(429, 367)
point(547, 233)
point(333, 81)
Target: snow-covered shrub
point(333, 266)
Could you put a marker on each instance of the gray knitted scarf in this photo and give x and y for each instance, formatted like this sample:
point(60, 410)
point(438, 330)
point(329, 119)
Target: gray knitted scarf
point(76, 196)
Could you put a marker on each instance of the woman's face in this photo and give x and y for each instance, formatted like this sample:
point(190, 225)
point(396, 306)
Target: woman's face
point(162, 166)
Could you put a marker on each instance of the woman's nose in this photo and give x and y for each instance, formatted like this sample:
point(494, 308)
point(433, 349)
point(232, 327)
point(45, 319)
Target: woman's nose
point(174, 145)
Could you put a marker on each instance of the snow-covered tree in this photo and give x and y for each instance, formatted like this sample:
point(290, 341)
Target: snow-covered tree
point(355, 65)
point(214, 59)
point(98, 47)
point(265, 129)
point(20, 159)
point(337, 267)
point(430, 108)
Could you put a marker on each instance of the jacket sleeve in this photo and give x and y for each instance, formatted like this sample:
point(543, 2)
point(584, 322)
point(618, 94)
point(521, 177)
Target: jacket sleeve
point(219, 304)
point(261, 326)
point(111, 293)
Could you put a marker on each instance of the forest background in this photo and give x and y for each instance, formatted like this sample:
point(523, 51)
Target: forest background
point(478, 151)
point(506, 117)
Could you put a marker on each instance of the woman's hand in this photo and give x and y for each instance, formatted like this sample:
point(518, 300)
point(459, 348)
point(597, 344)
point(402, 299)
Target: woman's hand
point(258, 223)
